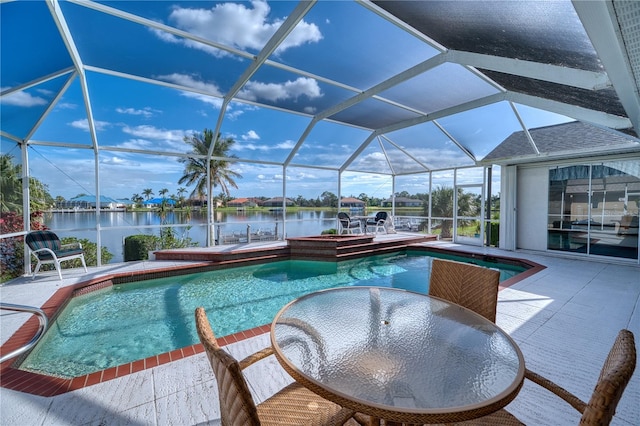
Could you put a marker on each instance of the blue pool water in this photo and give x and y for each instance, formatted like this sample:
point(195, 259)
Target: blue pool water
point(127, 322)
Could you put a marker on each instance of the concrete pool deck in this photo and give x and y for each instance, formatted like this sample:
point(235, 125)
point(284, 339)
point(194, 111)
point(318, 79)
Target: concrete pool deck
point(564, 318)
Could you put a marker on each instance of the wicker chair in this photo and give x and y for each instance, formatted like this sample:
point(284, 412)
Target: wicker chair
point(293, 405)
point(471, 286)
point(614, 376)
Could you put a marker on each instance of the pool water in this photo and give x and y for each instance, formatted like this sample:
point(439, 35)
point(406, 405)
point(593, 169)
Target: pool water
point(128, 322)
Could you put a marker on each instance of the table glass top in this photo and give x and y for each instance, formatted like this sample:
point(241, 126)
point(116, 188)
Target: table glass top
point(398, 349)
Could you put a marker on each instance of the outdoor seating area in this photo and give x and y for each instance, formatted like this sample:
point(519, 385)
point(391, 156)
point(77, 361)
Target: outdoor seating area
point(564, 319)
point(306, 213)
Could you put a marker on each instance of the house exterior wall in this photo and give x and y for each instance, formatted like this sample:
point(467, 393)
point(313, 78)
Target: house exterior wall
point(531, 207)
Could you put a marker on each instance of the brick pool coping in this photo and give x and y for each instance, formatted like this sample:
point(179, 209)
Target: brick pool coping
point(42, 385)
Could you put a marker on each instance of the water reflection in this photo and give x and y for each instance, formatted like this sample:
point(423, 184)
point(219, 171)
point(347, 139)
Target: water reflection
point(83, 225)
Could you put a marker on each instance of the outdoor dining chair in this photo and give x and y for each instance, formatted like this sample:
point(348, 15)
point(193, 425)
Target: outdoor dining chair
point(292, 405)
point(378, 222)
point(47, 248)
point(614, 377)
point(347, 224)
point(472, 286)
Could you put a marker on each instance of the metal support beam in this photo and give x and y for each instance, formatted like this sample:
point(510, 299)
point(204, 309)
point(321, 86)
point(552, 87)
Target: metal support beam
point(608, 42)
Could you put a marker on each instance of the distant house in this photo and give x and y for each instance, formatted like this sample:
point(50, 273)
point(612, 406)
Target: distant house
point(402, 202)
point(277, 202)
point(124, 202)
point(157, 202)
point(351, 202)
point(244, 202)
point(89, 202)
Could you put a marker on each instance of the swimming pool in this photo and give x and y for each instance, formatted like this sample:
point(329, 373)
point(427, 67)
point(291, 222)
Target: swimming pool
point(127, 322)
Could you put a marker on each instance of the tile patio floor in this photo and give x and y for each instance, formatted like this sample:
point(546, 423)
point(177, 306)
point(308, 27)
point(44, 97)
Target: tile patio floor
point(564, 318)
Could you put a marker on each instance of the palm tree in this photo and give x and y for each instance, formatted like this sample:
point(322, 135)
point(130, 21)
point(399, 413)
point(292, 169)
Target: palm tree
point(148, 192)
point(442, 206)
point(137, 199)
point(11, 188)
point(195, 169)
point(163, 192)
point(181, 190)
point(11, 185)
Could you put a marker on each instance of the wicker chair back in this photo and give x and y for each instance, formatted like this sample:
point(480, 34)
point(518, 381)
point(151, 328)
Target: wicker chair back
point(237, 407)
point(471, 286)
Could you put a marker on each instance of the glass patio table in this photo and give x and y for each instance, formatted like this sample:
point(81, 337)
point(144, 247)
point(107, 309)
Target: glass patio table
point(397, 355)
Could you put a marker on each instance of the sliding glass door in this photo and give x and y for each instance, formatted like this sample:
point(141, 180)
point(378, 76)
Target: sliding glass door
point(593, 208)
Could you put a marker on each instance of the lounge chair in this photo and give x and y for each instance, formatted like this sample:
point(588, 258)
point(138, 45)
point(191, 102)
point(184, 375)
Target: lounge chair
point(628, 225)
point(293, 405)
point(471, 286)
point(614, 377)
point(347, 225)
point(47, 248)
point(378, 223)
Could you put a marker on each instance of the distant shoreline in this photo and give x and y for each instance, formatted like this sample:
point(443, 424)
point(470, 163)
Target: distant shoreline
point(368, 210)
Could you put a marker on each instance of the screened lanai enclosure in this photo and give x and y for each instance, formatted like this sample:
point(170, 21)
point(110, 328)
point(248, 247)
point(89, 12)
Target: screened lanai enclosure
point(415, 105)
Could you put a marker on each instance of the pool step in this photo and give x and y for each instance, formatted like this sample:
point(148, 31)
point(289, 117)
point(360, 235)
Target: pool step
point(306, 248)
point(358, 249)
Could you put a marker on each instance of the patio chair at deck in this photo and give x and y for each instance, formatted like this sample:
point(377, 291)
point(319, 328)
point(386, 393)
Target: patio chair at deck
point(347, 225)
point(47, 248)
point(614, 377)
point(628, 225)
point(293, 405)
point(378, 222)
point(471, 286)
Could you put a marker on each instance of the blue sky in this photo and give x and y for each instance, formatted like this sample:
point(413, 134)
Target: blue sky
point(135, 75)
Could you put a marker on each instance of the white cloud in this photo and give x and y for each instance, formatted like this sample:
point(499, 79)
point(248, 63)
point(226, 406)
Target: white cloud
point(250, 135)
point(66, 105)
point(22, 99)
point(145, 112)
point(300, 177)
point(233, 115)
point(119, 161)
point(189, 81)
point(46, 92)
point(142, 144)
point(372, 161)
point(152, 132)
point(83, 124)
point(288, 144)
point(262, 147)
point(302, 86)
point(252, 147)
point(235, 25)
